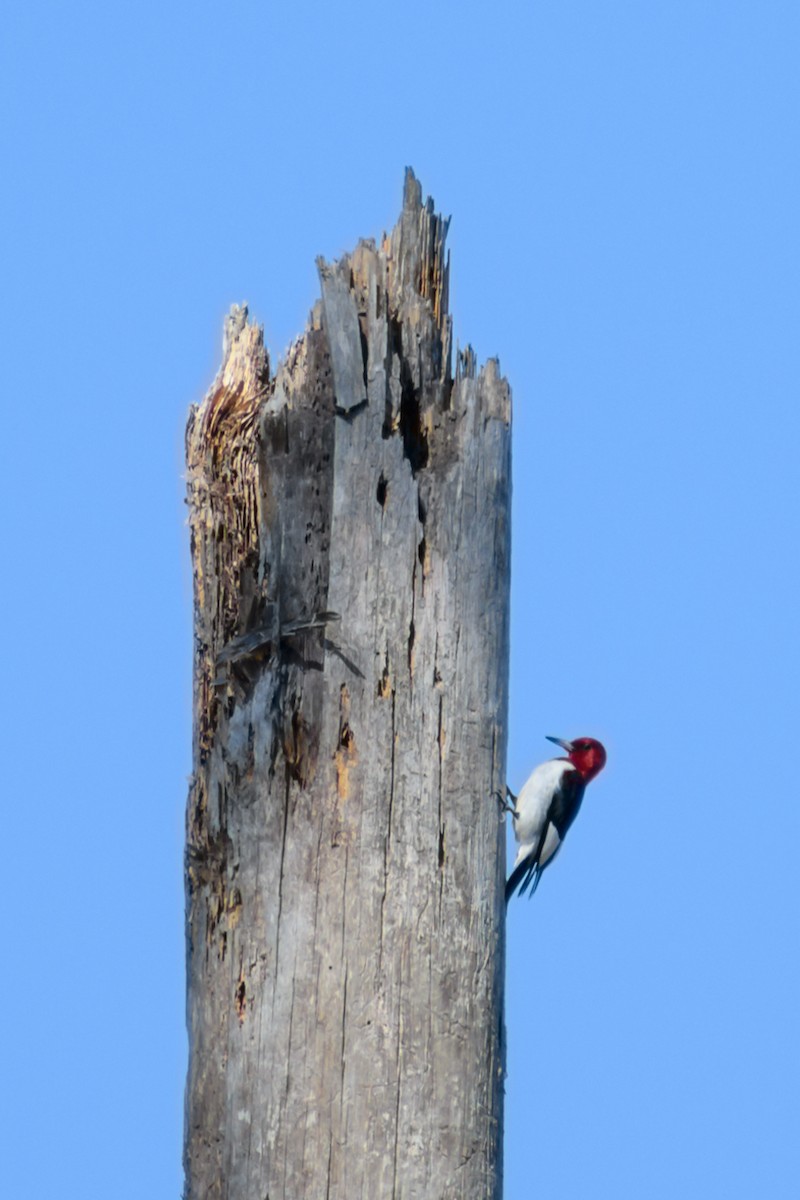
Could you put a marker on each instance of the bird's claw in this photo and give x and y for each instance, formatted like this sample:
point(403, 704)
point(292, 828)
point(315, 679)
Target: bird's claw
point(503, 801)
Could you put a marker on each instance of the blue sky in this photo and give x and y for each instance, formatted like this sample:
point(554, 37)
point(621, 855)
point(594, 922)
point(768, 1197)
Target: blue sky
point(623, 179)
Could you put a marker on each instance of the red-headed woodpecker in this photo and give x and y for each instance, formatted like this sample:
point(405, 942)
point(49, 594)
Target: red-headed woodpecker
point(546, 807)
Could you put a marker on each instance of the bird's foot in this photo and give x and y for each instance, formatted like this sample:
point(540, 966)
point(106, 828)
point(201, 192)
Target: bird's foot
point(503, 801)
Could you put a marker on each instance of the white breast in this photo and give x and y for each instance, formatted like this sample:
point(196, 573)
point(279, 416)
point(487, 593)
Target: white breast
point(533, 802)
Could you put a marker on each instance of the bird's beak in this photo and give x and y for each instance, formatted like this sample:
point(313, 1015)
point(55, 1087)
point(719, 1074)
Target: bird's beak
point(568, 746)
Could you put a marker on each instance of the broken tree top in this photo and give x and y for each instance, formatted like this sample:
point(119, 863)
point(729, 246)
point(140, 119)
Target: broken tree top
point(402, 285)
point(377, 348)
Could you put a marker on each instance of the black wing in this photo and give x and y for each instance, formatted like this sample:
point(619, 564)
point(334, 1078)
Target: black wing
point(562, 812)
point(566, 803)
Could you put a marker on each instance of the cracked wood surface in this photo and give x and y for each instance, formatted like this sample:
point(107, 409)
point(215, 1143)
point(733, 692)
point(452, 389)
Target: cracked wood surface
point(349, 524)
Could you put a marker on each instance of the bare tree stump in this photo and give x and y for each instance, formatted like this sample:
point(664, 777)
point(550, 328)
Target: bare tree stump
point(345, 859)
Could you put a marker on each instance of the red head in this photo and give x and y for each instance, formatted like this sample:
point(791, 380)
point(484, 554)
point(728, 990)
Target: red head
point(587, 755)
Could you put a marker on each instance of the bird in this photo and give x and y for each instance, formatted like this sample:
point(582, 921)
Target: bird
point(547, 805)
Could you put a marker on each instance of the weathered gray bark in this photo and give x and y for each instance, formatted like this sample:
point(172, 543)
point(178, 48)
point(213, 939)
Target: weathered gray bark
point(345, 858)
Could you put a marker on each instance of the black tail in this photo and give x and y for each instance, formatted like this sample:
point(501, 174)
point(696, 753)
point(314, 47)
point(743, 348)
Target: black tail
point(527, 873)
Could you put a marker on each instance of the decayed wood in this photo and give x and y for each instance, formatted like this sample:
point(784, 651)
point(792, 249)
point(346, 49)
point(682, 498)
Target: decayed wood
point(345, 865)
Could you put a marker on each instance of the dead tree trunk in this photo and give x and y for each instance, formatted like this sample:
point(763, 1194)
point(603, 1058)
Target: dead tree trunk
point(345, 862)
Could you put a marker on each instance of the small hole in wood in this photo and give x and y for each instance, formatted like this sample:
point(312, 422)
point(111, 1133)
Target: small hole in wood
point(241, 999)
point(383, 488)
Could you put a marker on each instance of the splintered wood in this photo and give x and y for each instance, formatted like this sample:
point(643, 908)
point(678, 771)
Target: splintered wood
point(349, 521)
